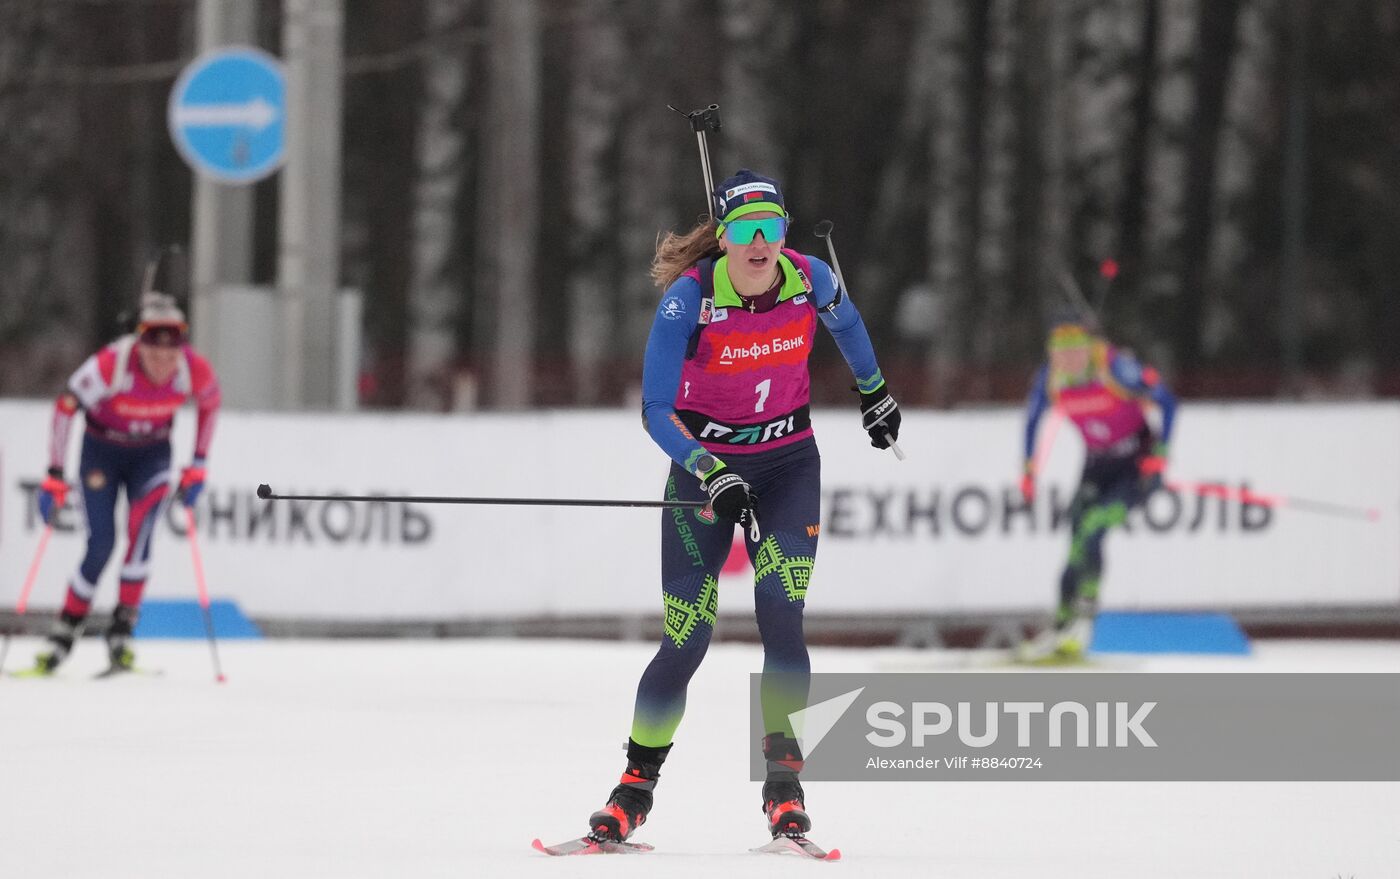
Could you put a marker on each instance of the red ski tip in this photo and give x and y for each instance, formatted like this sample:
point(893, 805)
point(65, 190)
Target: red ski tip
point(833, 855)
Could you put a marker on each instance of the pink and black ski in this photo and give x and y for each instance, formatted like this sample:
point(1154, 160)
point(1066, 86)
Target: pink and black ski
point(587, 845)
point(800, 846)
point(781, 845)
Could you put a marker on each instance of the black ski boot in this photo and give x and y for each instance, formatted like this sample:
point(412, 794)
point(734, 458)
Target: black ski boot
point(631, 800)
point(119, 651)
point(65, 630)
point(782, 793)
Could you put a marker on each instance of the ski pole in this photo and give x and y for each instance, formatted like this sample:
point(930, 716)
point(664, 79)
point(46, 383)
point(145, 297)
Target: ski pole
point(823, 231)
point(1262, 499)
point(1047, 444)
point(703, 120)
point(265, 492)
point(23, 604)
point(203, 593)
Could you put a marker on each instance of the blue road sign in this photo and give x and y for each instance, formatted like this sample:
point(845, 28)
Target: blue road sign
point(227, 114)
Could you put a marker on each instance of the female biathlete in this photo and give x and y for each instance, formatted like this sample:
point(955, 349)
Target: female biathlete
point(725, 391)
point(128, 393)
point(1103, 391)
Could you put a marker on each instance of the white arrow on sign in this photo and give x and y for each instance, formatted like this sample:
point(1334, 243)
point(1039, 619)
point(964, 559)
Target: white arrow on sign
point(256, 114)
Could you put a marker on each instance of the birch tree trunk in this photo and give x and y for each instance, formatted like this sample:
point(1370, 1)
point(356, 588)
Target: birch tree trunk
point(1134, 197)
point(1107, 37)
point(1044, 205)
point(1216, 43)
point(659, 178)
point(994, 174)
point(594, 123)
point(434, 301)
point(758, 36)
point(511, 206)
point(902, 190)
point(1158, 281)
point(1244, 305)
point(949, 155)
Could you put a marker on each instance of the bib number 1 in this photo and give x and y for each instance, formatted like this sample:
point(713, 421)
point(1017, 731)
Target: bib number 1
point(762, 389)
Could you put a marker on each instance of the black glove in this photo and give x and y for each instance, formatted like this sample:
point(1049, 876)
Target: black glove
point(879, 415)
point(730, 496)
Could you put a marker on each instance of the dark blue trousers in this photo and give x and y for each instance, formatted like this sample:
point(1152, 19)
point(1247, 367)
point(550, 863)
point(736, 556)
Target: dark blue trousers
point(143, 472)
point(787, 482)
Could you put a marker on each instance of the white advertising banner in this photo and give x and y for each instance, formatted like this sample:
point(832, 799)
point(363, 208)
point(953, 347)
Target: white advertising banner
point(941, 532)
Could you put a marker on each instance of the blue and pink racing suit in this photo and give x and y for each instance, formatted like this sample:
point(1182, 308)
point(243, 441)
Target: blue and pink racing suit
point(728, 377)
point(1106, 405)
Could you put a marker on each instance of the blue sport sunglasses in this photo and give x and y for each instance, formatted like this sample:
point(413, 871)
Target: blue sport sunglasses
point(743, 231)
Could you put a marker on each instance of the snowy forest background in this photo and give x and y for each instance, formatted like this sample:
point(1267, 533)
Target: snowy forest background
point(973, 155)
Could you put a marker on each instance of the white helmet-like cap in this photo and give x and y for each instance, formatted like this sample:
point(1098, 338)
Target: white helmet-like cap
point(160, 308)
point(162, 323)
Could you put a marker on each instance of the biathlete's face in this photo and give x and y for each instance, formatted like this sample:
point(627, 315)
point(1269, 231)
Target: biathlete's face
point(753, 242)
point(1071, 349)
point(159, 351)
point(1070, 361)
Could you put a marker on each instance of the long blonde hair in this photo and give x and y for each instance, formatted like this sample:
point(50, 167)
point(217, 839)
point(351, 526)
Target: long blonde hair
point(676, 253)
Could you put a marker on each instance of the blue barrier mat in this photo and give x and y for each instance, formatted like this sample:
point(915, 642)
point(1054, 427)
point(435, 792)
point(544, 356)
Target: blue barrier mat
point(183, 619)
point(1119, 632)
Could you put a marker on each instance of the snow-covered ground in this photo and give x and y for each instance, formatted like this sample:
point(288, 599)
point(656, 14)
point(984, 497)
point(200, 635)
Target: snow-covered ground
point(445, 758)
